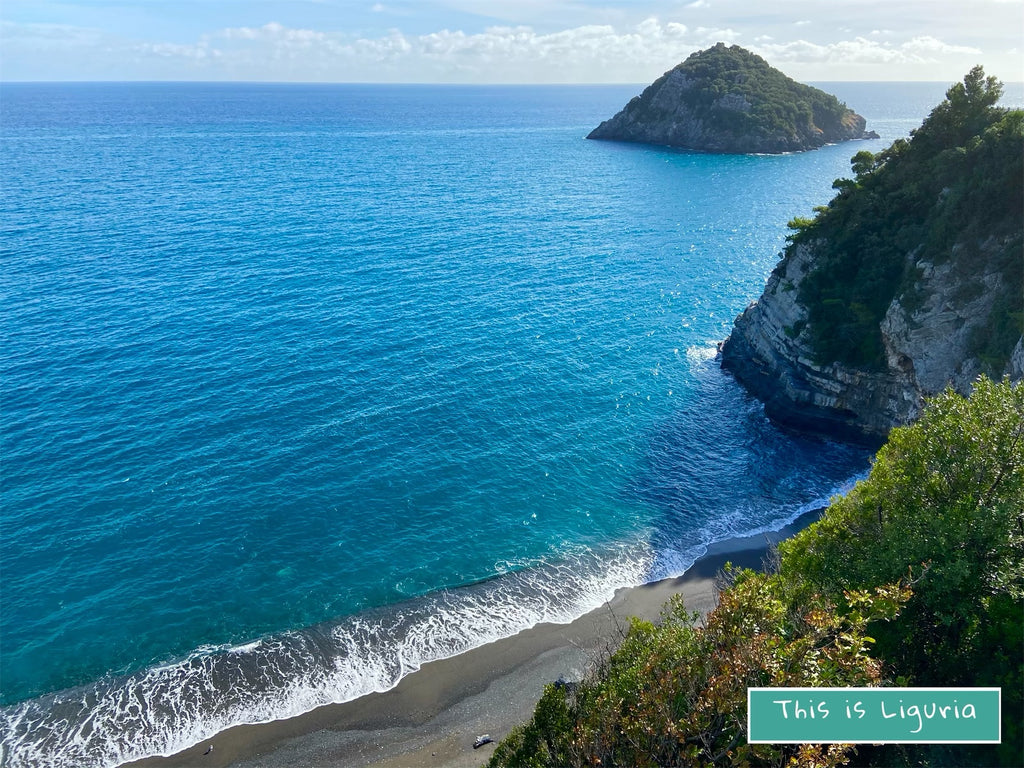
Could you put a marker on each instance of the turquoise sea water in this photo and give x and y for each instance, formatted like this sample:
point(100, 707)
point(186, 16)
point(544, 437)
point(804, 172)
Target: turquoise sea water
point(303, 386)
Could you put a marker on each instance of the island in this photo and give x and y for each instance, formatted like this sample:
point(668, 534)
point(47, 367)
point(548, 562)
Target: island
point(729, 100)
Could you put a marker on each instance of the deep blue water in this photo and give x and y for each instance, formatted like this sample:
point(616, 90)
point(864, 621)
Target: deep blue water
point(303, 386)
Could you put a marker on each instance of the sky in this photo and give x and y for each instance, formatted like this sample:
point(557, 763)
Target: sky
point(500, 41)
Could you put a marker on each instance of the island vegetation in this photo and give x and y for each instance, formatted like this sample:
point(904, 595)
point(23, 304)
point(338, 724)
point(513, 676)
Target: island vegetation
point(914, 578)
point(727, 99)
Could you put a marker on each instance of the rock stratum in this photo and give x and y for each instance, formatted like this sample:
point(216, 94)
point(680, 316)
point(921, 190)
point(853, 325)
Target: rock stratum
point(911, 280)
point(728, 100)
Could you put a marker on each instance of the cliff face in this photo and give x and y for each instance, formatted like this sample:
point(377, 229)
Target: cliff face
point(926, 349)
point(729, 100)
point(909, 281)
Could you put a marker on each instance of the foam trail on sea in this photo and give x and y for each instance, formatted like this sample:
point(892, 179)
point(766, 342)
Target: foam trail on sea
point(670, 561)
point(171, 707)
point(168, 708)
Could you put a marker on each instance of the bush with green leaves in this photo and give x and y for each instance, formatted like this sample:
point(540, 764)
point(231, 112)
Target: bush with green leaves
point(944, 502)
point(676, 693)
point(925, 555)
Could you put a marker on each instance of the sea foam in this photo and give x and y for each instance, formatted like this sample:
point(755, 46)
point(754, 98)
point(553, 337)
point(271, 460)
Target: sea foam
point(170, 707)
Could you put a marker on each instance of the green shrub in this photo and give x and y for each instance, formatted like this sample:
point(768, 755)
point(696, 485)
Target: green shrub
point(926, 555)
point(945, 502)
point(676, 693)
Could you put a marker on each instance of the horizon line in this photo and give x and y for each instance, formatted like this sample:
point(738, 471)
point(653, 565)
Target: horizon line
point(411, 82)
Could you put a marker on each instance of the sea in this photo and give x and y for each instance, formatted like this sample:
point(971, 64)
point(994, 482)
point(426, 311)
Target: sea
point(304, 386)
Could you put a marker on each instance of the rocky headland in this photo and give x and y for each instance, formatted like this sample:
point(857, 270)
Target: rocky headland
point(911, 280)
point(729, 100)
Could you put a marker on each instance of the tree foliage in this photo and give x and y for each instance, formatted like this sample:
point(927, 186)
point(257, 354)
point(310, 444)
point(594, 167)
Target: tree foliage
point(749, 105)
point(925, 555)
point(954, 185)
point(945, 500)
point(676, 694)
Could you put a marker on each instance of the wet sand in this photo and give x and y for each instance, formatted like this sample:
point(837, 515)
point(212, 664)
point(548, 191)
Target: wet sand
point(432, 717)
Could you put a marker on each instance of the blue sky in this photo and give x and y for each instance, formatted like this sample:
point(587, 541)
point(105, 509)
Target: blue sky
point(500, 41)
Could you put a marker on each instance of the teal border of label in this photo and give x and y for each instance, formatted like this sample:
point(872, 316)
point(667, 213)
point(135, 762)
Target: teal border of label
point(874, 692)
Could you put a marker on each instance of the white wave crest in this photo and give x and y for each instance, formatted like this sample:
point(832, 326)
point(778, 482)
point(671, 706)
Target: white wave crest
point(171, 707)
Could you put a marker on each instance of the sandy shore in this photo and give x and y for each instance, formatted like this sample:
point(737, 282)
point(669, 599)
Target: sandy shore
point(432, 717)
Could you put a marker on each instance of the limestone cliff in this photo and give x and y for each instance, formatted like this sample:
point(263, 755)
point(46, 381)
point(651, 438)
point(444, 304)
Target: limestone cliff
point(911, 280)
point(726, 99)
point(926, 349)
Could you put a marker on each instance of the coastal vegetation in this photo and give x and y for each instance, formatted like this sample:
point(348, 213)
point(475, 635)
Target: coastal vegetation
point(945, 499)
point(951, 193)
point(727, 99)
point(915, 578)
point(907, 282)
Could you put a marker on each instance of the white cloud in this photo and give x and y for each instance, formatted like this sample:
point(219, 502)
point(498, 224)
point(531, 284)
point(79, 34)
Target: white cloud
point(174, 51)
point(929, 46)
point(48, 35)
point(716, 35)
point(276, 33)
point(919, 50)
point(599, 52)
point(589, 53)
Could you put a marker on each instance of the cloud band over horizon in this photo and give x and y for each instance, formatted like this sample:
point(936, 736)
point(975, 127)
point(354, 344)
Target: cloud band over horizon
point(588, 53)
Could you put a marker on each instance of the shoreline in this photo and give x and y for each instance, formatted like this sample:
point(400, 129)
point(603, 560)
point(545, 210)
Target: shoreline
point(433, 715)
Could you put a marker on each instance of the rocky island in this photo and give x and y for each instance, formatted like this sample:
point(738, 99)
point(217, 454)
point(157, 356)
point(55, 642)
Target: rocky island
point(910, 280)
point(729, 100)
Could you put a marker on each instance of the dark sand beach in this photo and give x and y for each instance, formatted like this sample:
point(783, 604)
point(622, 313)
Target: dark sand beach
point(432, 717)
